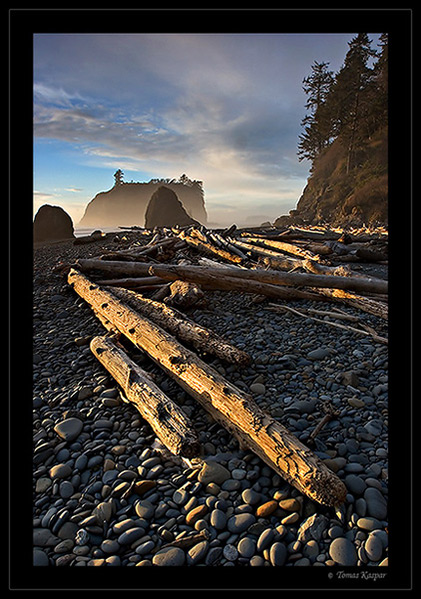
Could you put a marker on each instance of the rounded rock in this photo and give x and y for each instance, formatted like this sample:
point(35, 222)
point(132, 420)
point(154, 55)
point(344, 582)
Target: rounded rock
point(169, 556)
point(246, 547)
point(278, 554)
point(240, 522)
point(343, 552)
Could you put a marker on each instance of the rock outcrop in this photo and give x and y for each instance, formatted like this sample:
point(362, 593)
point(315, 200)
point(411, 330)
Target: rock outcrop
point(344, 198)
point(166, 210)
point(125, 204)
point(52, 223)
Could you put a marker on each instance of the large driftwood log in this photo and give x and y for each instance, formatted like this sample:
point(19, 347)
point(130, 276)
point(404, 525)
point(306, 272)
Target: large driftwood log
point(225, 280)
point(272, 277)
point(167, 420)
point(365, 304)
point(113, 267)
point(231, 407)
point(284, 246)
point(182, 327)
point(209, 248)
point(284, 262)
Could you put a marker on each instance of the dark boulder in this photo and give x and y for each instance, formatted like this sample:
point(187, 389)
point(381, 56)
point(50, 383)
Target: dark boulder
point(52, 223)
point(166, 210)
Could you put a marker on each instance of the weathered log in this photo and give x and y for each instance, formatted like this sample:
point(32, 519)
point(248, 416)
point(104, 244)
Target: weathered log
point(272, 277)
point(281, 261)
point(167, 420)
point(182, 327)
point(225, 280)
point(209, 248)
point(131, 282)
point(113, 267)
point(365, 304)
point(184, 295)
point(230, 406)
point(290, 248)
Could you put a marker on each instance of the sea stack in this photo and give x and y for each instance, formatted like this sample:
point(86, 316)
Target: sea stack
point(52, 223)
point(166, 210)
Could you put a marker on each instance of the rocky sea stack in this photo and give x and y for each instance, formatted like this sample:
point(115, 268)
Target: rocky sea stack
point(52, 223)
point(166, 210)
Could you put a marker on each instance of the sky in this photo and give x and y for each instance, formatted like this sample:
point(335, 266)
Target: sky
point(222, 108)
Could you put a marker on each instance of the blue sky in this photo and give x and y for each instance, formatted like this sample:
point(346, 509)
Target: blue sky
point(222, 108)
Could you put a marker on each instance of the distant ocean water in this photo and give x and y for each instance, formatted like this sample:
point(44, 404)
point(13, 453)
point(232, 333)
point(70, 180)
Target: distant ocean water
point(81, 231)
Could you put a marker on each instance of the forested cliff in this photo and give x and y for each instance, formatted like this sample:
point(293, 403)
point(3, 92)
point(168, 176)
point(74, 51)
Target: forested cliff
point(345, 136)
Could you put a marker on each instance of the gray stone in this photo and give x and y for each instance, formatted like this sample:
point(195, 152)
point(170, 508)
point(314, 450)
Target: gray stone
point(368, 523)
point(213, 472)
point(197, 553)
point(60, 471)
point(66, 489)
point(69, 429)
point(42, 537)
point(169, 556)
point(246, 547)
point(343, 552)
point(355, 484)
point(230, 552)
point(312, 528)
point(251, 496)
point(265, 539)
point(240, 522)
point(278, 554)
point(373, 547)
point(144, 509)
point(258, 388)
point(318, 354)
point(145, 547)
point(213, 556)
point(376, 503)
point(40, 558)
point(218, 519)
point(131, 535)
point(110, 546)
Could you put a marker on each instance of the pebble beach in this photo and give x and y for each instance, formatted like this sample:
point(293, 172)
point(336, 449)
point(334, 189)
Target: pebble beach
point(107, 493)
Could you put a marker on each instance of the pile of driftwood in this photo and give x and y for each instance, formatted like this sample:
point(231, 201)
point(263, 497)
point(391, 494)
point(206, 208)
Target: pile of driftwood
point(175, 267)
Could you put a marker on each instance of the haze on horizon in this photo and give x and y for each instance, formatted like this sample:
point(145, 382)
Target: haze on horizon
point(222, 108)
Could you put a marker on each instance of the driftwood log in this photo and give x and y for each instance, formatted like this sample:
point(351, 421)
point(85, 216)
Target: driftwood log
point(284, 246)
point(167, 420)
point(182, 327)
point(229, 280)
point(231, 407)
point(272, 277)
point(210, 248)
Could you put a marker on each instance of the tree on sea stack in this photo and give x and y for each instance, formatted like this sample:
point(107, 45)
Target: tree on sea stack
point(118, 176)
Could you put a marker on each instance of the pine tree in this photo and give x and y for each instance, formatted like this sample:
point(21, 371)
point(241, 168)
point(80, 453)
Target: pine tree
point(346, 101)
point(317, 124)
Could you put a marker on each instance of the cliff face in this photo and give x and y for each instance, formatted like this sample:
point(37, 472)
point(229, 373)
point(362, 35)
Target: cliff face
point(125, 204)
point(340, 198)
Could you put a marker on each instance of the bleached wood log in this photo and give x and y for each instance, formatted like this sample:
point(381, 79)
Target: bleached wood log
point(182, 327)
point(284, 246)
point(168, 421)
point(230, 406)
point(271, 277)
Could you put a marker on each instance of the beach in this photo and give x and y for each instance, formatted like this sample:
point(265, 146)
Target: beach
point(226, 507)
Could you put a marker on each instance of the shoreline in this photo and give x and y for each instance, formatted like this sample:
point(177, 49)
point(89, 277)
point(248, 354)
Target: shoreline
point(252, 516)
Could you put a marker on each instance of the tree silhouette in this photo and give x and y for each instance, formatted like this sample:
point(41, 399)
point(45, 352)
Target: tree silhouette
point(118, 176)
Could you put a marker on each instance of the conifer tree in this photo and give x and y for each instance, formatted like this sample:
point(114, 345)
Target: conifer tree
point(317, 125)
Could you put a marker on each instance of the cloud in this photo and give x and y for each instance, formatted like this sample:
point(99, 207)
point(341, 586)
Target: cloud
point(213, 106)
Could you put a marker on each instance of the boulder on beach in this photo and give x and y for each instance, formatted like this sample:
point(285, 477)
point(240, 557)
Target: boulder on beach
point(52, 223)
point(166, 210)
